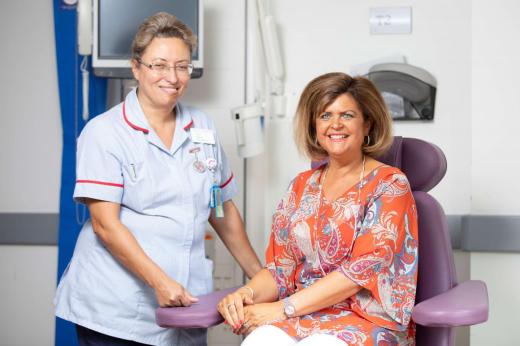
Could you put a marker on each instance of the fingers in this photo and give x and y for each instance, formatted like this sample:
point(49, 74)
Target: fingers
point(224, 311)
point(249, 329)
point(187, 299)
point(184, 300)
point(174, 294)
point(239, 309)
point(246, 328)
point(193, 299)
point(231, 308)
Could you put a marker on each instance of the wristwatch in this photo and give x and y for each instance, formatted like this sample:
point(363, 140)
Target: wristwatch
point(288, 308)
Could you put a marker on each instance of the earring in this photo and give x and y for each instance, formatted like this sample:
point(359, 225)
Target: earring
point(367, 143)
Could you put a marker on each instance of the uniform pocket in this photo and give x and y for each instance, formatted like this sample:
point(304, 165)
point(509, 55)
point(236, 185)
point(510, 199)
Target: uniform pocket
point(134, 178)
point(133, 172)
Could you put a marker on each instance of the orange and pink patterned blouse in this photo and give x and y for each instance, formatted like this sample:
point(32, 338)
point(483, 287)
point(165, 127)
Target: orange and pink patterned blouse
point(369, 234)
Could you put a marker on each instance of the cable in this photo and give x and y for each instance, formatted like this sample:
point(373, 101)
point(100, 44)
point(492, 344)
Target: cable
point(80, 214)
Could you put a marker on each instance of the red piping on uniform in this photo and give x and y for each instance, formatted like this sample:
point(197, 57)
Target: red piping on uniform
point(227, 181)
point(190, 124)
point(135, 127)
point(99, 183)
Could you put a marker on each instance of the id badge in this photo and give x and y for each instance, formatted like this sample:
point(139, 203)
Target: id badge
point(204, 136)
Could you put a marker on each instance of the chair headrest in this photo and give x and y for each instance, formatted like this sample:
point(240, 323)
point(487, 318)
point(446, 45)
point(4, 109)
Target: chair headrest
point(423, 163)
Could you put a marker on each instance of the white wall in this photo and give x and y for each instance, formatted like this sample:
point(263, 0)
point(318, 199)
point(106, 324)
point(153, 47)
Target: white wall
point(494, 106)
point(30, 114)
point(31, 164)
point(495, 123)
point(28, 282)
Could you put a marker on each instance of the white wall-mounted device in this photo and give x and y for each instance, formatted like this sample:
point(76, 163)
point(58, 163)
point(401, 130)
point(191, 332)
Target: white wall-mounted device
point(248, 129)
point(84, 23)
point(268, 103)
point(84, 10)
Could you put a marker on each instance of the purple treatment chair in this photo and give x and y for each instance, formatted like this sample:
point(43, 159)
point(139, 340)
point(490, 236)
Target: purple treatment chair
point(441, 302)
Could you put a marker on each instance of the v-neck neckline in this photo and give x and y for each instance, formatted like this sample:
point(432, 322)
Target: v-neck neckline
point(342, 195)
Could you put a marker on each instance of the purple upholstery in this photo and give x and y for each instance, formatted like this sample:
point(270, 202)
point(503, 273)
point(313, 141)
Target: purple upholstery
point(463, 305)
point(436, 264)
point(405, 153)
point(440, 303)
point(202, 314)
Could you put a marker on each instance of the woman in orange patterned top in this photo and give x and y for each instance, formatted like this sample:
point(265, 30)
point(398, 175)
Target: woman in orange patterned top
point(341, 264)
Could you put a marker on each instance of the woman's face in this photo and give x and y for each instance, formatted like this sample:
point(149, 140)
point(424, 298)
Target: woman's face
point(341, 129)
point(161, 89)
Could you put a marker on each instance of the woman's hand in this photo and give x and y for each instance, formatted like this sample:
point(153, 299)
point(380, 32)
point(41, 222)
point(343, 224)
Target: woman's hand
point(170, 293)
point(232, 307)
point(260, 314)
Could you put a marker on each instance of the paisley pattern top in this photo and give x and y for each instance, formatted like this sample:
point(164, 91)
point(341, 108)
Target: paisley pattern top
point(369, 234)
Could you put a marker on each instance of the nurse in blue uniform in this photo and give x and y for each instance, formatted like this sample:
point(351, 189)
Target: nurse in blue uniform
point(152, 173)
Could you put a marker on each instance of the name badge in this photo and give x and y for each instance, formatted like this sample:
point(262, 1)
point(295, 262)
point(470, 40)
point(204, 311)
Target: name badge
point(204, 136)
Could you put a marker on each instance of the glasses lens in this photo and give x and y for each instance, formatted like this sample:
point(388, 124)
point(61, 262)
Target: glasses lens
point(163, 68)
point(184, 69)
point(160, 67)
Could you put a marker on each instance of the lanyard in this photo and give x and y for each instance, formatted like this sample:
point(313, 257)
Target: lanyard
point(215, 191)
point(210, 164)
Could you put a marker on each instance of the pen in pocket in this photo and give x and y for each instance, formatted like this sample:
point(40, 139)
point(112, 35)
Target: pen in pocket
point(133, 169)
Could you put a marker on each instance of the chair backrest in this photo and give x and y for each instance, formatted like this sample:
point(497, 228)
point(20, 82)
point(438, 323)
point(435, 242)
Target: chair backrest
point(424, 164)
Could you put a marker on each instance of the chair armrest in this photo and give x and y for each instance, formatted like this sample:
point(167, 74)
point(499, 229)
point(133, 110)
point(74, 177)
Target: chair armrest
point(463, 305)
point(202, 314)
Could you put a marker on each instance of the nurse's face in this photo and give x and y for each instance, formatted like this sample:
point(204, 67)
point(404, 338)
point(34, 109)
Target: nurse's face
point(160, 87)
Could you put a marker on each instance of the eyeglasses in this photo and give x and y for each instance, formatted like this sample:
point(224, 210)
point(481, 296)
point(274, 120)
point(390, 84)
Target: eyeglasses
point(163, 68)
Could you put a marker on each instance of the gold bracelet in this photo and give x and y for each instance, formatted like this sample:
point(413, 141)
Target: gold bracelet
point(252, 292)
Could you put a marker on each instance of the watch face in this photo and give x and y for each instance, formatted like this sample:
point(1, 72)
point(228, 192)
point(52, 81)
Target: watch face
point(289, 308)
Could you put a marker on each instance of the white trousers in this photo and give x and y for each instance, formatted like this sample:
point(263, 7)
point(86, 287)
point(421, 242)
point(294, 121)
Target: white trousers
point(274, 336)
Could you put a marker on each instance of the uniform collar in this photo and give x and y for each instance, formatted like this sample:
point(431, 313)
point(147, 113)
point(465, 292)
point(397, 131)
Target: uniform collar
point(184, 124)
point(134, 117)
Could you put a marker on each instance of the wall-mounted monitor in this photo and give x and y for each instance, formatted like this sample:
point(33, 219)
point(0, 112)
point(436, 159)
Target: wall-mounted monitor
point(115, 23)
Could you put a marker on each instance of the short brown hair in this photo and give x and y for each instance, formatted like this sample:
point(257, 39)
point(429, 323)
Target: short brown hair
point(323, 91)
point(162, 25)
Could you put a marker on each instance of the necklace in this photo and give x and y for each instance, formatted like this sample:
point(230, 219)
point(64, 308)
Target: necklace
point(320, 196)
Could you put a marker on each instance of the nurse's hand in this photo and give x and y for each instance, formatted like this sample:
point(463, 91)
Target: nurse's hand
point(232, 307)
point(170, 293)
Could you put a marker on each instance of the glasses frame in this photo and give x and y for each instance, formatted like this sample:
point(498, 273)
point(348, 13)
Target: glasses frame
point(168, 68)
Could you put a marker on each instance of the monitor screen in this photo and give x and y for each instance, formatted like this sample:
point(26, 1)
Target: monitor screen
point(116, 23)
